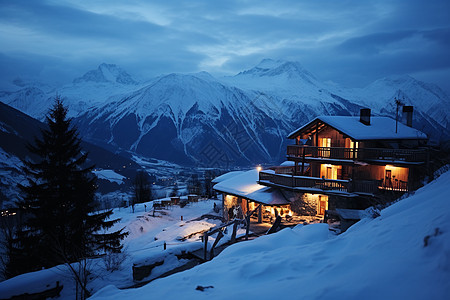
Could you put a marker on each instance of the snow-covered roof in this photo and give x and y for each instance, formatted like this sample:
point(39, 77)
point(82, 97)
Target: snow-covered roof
point(380, 128)
point(226, 176)
point(245, 185)
point(241, 184)
point(269, 196)
point(109, 175)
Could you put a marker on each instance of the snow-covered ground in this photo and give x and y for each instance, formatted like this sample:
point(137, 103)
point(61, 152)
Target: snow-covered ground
point(109, 175)
point(143, 245)
point(403, 254)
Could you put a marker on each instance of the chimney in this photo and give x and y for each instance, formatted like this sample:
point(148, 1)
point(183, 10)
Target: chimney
point(365, 116)
point(407, 116)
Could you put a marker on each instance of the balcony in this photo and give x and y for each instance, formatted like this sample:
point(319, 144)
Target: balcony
point(361, 154)
point(315, 184)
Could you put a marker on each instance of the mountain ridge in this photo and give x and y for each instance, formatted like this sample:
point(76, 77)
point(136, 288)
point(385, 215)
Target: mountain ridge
point(245, 118)
point(106, 73)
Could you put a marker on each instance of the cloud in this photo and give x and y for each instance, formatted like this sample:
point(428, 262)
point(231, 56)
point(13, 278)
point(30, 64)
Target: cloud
point(351, 42)
point(374, 43)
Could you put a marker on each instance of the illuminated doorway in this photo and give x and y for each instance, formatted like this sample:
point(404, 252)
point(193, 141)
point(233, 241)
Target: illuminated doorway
point(322, 205)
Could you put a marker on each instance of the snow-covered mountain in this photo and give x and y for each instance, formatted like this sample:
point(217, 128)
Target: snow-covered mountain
point(93, 88)
point(285, 79)
point(192, 119)
point(238, 120)
point(431, 104)
point(106, 73)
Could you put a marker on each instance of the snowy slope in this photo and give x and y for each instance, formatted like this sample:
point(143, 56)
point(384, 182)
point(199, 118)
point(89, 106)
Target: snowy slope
point(144, 244)
point(403, 254)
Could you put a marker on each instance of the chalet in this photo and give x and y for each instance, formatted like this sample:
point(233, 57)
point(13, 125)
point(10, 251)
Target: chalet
point(343, 162)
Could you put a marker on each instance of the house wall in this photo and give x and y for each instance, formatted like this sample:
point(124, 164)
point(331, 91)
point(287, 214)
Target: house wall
point(341, 172)
point(372, 172)
point(304, 204)
point(337, 139)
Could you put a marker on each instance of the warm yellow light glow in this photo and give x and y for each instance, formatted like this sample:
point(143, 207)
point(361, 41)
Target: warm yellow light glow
point(330, 171)
point(394, 168)
point(259, 168)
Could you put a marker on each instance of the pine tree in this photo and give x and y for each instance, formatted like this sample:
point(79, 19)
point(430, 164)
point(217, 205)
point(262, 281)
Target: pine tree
point(61, 225)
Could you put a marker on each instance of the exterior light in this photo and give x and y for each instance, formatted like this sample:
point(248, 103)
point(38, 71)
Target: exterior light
point(259, 168)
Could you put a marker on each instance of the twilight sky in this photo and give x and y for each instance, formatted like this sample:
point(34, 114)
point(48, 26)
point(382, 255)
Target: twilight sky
point(348, 42)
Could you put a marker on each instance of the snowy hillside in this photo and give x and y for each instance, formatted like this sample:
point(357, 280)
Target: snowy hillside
point(403, 254)
point(179, 227)
point(196, 119)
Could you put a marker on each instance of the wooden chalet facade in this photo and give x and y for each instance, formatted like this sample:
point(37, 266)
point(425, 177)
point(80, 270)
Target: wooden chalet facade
point(347, 162)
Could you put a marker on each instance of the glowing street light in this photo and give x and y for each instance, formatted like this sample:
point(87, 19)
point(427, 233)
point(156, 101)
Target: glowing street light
point(259, 168)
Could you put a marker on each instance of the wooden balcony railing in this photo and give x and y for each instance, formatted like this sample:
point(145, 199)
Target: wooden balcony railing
point(406, 155)
point(356, 186)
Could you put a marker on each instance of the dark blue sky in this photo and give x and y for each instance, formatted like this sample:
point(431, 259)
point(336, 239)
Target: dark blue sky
point(348, 42)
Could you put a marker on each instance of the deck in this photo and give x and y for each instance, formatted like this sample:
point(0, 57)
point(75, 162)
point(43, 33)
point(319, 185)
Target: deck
point(321, 185)
point(413, 156)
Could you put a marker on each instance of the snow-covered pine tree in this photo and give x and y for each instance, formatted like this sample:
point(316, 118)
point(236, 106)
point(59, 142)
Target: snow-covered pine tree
point(61, 224)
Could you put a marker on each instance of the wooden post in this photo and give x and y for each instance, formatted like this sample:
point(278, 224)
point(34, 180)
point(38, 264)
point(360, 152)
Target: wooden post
point(206, 247)
point(354, 150)
point(248, 206)
point(260, 213)
point(248, 227)
point(303, 161)
point(317, 134)
point(233, 234)
point(211, 252)
point(293, 180)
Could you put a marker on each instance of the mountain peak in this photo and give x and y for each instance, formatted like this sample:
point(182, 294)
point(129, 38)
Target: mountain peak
point(107, 73)
point(268, 63)
point(271, 68)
